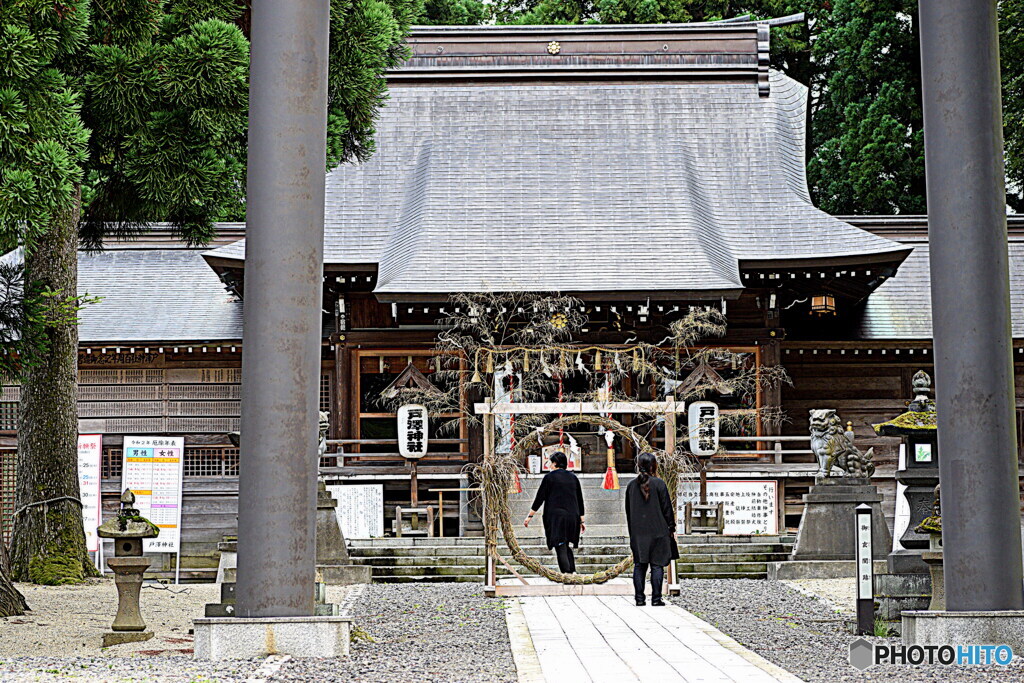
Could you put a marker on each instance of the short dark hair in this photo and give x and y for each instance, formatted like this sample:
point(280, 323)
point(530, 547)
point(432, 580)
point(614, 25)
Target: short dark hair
point(559, 460)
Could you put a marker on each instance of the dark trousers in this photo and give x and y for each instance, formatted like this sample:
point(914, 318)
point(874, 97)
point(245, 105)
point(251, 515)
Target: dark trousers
point(566, 561)
point(657, 580)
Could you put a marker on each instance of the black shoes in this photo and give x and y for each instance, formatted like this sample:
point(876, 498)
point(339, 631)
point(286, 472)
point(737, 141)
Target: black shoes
point(640, 602)
point(657, 603)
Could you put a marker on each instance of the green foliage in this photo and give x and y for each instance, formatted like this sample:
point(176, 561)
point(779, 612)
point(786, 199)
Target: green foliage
point(359, 634)
point(1011, 52)
point(868, 133)
point(43, 145)
point(882, 629)
point(167, 96)
point(658, 11)
point(367, 37)
point(42, 139)
point(453, 13)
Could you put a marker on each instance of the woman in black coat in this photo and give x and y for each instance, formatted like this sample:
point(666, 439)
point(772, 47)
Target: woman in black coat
point(652, 528)
point(562, 497)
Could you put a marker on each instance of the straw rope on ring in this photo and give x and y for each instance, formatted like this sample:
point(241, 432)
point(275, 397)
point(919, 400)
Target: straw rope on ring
point(496, 478)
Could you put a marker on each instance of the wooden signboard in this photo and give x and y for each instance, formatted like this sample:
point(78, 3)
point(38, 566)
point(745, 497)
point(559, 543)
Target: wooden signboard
point(360, 509)
point(90, 449)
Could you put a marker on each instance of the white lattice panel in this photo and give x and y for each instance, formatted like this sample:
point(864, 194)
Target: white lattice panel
point(120, 392)
point(202, 408)
point(136, 425)
point(121, 409)
point(180, 425)
point(199, 392)
point(142, 376)
point(204, 375)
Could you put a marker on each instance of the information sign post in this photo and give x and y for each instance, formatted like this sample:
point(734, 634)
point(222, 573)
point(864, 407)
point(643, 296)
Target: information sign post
point(90, 448)
point(153, 468)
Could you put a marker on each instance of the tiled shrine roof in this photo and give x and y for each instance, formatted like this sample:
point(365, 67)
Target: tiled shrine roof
point(651, 184)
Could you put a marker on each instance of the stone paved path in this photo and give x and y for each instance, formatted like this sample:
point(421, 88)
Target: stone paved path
point(608, 638)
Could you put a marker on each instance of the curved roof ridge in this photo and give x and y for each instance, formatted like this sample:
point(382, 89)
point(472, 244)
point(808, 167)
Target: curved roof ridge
point(406, 234)
point(710, 234)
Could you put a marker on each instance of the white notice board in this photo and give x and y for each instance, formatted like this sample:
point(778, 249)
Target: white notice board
point(153, 467)
point(360, 509)
point(90, 448)
point(751, 505)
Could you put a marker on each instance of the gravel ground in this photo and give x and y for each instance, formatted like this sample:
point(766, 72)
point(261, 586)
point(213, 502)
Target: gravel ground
point(437, 632)
point(137, 669)
point(59, 639)
point(445, 632)
point(807, 636)
point(71, 619)
point(839, 593)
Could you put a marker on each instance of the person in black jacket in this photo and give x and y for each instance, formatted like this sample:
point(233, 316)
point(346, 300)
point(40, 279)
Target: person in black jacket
point(562, 497)
point(652, 528)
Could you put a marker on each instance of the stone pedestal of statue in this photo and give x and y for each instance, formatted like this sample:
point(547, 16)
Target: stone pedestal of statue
point(828, 526)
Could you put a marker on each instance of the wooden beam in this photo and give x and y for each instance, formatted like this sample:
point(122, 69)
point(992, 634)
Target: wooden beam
point(582, 408)
point(770, 396)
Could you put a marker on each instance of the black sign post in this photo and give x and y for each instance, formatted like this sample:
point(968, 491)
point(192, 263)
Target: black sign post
point(865, 573)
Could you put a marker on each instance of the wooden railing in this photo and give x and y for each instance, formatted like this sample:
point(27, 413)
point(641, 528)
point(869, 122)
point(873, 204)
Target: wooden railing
point(390, 462)
point(772, 449)
point(773, 446)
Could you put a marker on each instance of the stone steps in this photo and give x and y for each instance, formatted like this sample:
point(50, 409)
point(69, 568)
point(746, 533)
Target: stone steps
point(707, 568)
point(605, 510)
point(594, 528)
point(448, 541)
point(395, 560)
point(581, 557)
point(479, 577)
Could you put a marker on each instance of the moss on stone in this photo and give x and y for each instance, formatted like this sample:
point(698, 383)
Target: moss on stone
point(908, 423)
point(153, 528)
point(930, 525)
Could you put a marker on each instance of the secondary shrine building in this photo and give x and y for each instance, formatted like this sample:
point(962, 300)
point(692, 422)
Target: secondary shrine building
point(641, 169)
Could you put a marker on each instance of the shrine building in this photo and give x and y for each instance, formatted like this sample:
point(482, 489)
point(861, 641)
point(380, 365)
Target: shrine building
point(641, 169)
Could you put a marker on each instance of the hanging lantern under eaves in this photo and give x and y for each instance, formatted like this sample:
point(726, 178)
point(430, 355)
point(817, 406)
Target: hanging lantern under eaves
point(823, 304)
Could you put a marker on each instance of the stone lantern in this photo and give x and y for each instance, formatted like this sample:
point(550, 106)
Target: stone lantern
point(933, 556)
point(127, 530)
point(920, 474)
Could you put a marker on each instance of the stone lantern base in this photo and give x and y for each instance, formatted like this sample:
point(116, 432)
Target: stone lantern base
point(121, 637)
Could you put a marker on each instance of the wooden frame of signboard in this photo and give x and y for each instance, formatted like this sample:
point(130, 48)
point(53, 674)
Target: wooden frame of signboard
point(669, 408)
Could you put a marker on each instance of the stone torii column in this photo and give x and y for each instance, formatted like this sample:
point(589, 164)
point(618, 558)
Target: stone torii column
point(282, 308)
point(970, 288)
